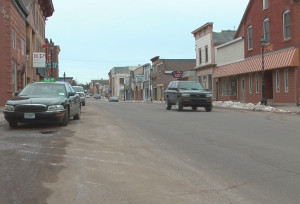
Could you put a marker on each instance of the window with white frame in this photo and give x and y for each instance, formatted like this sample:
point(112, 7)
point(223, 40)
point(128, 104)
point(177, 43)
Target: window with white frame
point(286, 25)
point(121, 81)
point(256, 83)
point(286, 80)
point(250, 83)
point(243, 84)
point(206, 54)
point(250, 37)
point(265, 4)
point(14, 75)
point(277, 81)
point(266, 28)
point(22, 47)
point(200, 56)
point(14, 39)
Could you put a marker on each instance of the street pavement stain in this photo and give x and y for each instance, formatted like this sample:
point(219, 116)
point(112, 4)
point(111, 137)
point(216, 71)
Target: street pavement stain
point(30, 162)
point(48, 132)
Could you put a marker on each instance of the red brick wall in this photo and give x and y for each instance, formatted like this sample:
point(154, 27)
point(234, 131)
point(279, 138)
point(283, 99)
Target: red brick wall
point(282, 96)
point(10, 19)
point(257, 15)
point(5, 52)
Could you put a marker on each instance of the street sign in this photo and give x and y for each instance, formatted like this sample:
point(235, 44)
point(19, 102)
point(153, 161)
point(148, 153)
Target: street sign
point(39, 59)
point(139, 78)
point(54, 65)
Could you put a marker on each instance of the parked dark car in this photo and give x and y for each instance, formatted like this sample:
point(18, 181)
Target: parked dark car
point(80, 91)
point(187, 94)
point(43, 102)
point(114, 99)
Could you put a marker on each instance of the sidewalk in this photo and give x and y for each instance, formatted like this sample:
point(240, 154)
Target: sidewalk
point(2, 120)
point(225, 104)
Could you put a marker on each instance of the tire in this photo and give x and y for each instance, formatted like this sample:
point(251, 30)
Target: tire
point(208, 108)
point(179, 106)
point(66, 118)
point(194, 108)
point(13, 124)
point(168, 104)
point(78, 115)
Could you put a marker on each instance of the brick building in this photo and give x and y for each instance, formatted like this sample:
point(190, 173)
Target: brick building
point(12, 47)
point(161, 73)
point(22, 32)
point(205, 42)
point(277, 23)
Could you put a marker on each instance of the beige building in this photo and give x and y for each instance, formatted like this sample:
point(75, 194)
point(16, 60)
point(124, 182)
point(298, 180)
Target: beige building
point(39, 11)
point(205, 42)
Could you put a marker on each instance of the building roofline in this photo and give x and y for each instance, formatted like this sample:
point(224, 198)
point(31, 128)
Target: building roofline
point(200, 28)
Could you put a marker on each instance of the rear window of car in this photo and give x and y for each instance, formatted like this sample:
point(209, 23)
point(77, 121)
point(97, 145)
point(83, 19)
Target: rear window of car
point(190, 86)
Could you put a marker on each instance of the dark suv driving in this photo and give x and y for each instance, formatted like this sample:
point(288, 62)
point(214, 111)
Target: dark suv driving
point(187, 94)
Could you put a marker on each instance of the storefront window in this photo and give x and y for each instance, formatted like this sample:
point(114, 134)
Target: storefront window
point(228, 86)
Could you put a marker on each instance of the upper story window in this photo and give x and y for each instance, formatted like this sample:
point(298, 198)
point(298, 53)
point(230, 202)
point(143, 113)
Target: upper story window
point(266, 28)
point(286, 25)
point(265, 4)
point(22, 47)
point(14, 39)
point(206, 54)
point(250, 37)
point(200, 56)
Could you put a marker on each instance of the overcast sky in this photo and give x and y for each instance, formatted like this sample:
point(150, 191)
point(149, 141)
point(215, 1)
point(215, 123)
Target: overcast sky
point(96, 35)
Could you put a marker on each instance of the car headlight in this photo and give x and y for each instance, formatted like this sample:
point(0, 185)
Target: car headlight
point(209, 95)
point(186, 95)
point(55, 108)
point(9, 108)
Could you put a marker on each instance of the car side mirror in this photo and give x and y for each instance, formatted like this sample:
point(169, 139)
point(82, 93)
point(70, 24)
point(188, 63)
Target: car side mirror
point(71, 94)
point(16, 93)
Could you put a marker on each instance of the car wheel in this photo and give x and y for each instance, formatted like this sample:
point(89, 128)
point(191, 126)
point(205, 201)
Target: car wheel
point(168, 104)
point(208, 108)
point(66, 118)
point(77, 116)
point(194, 108)
point(13, 124)
point(178, 106)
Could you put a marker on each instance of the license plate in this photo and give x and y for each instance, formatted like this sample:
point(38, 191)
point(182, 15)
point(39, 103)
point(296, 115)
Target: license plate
point(29, 115)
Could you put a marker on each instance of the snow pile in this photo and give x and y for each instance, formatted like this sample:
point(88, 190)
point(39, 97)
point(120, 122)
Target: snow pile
point(247, 106)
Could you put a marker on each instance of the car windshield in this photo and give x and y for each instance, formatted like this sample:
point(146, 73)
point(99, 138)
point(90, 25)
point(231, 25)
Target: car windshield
point(190, 86)
point(78, 88)
point(45, 90)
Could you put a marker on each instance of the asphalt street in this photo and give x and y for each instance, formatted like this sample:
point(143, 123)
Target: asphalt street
point(142, 153)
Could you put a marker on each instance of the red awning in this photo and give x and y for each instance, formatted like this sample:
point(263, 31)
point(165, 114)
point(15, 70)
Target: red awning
point(273, 60)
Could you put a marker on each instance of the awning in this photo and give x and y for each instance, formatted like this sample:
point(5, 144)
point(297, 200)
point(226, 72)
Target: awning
point(273, 60)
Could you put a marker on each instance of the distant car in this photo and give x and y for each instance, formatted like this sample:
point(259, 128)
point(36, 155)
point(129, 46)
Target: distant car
point(87, 95)
point(43, 102)
point(80, 91)
point(97, 96)
point(187, 93)
point(114, 99)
